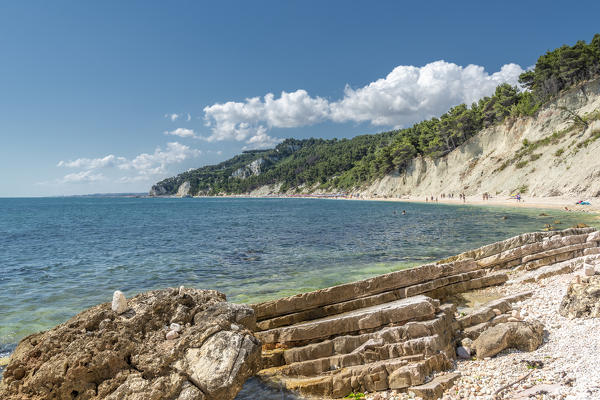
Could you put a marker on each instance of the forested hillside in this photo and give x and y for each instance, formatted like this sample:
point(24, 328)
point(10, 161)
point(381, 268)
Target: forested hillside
point(345, 164)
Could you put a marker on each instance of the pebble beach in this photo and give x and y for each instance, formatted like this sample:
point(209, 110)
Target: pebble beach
point(565, 367)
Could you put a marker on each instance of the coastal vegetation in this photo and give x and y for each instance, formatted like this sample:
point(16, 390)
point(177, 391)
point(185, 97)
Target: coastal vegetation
point(344, 164)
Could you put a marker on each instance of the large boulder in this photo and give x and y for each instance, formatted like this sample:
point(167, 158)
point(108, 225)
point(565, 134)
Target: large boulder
point(101, 354)
point(522, 335)
point(582, 299)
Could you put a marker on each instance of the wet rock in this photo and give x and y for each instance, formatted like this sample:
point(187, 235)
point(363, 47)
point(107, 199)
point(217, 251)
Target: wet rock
point(523, 335)
point(99, 354)
point(582, 299)
point(119, 302)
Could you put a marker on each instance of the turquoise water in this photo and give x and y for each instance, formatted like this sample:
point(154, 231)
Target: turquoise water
point(61, 255)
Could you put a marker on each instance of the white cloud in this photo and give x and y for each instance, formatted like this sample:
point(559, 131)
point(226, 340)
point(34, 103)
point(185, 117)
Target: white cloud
point(406, 95)
point(182, 132)
point(173, 117)
point(189, 117)
point(251, 119)
point(82, 177)
point(143, 166)
point(156, 163)
point(409, 94)
point(260, 140)
point(92, 163)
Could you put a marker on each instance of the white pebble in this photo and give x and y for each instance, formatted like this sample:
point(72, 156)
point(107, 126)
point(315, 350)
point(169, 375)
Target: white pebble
point(171, 335)
point(119, 302)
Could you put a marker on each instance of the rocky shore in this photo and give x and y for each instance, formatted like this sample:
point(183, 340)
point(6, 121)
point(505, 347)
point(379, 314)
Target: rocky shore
point(566, 366)
point(510, 320)
point(183, 344)
point(402, 334)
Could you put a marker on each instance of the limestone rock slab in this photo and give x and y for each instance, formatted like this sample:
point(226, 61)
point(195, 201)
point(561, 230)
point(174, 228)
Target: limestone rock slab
point(582, 299)
point(99, 354)
point(414, 308)
point(523, 335)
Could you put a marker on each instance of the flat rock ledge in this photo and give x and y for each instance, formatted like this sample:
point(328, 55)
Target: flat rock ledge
point(180, 344)
point(402, 331)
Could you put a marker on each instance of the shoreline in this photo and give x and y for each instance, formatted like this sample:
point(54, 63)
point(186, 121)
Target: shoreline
point(566, 204)
point(555, 203)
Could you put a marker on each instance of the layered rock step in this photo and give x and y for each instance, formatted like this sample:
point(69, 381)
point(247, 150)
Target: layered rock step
point(356, 321)
point(390, 346)
point(436, 387)
point(466, 271)
point(410, 338)
point(392, 373)
point(489, 314)
point(393, 331)
point(533, 250)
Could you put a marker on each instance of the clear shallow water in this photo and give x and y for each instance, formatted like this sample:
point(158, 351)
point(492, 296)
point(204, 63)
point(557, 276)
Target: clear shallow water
point(59, 256)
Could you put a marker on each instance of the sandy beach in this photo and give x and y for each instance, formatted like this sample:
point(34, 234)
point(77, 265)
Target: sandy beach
point(559, 203)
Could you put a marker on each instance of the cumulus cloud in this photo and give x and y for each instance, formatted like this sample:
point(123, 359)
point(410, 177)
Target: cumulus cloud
point(174, 116)
point(406, 95)
point(144, 166)
point(82, 177)
point(92, 163)
point(156, 163)
point(409, 94)
point(260, 140)
point(182, 132)
point(250, 120)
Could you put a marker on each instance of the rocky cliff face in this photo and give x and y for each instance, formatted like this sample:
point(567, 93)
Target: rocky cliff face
point(181, 344)
point(551, 154)
point(254, 168)
point(184, 189)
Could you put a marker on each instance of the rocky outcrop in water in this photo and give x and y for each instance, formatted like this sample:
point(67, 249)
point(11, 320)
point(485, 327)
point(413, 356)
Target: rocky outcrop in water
point(181, 344)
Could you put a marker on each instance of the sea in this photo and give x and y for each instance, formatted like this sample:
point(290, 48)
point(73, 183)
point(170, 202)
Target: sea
point(59, 256)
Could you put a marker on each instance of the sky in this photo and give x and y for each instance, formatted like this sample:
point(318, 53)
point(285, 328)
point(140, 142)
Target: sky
point(113, 96)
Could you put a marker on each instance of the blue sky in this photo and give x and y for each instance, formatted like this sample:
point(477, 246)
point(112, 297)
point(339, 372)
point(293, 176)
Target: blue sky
point(88, 89)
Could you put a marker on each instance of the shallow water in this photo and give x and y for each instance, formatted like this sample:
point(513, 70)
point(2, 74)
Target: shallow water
point(59, 256)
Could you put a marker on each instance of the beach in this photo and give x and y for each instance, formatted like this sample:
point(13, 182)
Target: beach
point(556, 203)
